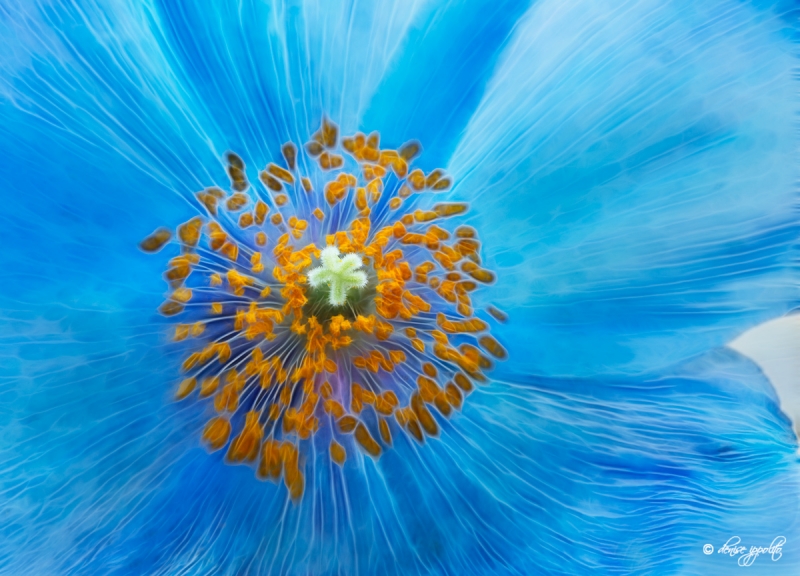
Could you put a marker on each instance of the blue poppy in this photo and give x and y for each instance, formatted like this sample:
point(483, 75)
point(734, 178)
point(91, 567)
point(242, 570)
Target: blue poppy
point(631, 172)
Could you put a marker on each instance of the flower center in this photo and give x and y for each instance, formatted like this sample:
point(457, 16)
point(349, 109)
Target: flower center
point(357, 324)
point(338, 275)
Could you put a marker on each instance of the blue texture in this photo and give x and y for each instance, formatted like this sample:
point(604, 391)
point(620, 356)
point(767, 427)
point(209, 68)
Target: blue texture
point(632, 169)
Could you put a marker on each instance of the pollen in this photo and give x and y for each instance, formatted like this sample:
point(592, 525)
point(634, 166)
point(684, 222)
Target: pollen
point(354, 321)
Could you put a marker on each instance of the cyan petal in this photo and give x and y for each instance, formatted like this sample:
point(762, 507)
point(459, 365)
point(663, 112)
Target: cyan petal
point(113, 115)
point(270, 71)
point(437, 79)
point(103, 475)
point(633, 176)
point(170, 86)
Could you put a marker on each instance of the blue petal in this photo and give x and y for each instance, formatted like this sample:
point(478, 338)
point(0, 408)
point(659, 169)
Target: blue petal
point(269, 72)
point(433, 87)
point(176, 84)
point(103, 476)
point(633, 172)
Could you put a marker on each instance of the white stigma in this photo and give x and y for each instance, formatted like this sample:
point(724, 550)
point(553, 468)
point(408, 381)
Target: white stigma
point(340, 274)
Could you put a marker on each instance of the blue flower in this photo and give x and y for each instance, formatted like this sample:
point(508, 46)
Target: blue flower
point(631, 171)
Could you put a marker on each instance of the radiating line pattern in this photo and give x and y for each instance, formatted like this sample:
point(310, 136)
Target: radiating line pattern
point(632, 169)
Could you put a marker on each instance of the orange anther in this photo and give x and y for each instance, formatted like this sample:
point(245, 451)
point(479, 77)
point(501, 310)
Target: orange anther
point(424, 215)
point(236, 202)
point(382, 406)
point(410, 150)
point(416, 301)
point(428, 389)
point(334, 408)
point(414, 429)
point(197, 329)
point(325, 161)
point(465, 232)
point(482, 275)
point(156, 240)
point(433, 177)
point(368, 396)
point(417, 179)
point(181, 332)
point(493, 347)
point(179, 272)
point(185, 388)
point(386, 435)
point(374, 189)
point(217, 235)
point(383, 330)
point(209, 201)
point(442, 404)
point(347, 424)
point(361, 198)
point(412, 238)
point(401, 417)
point(289, 151)
point(463, 382)
point(365, 439)
point(338, 454)
point(497, 314)
point(398, 230)
point(245, 446)
point(328, 133)
point(238, 281)
point(444, 261)
point(424, 416)
point(227, 398)
point(223, 352)
point(191, 361)
point(216, 432)
point(230, 250)
point(326, 390)
point(453, 395)
point(349, 144)
point(270, 181)
point(442, 184)
point(209, 386)
point(280, 173)
point(450, 209)
point(270, 465)
point(439, 336)
point(189, 233)
point(370, 154)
